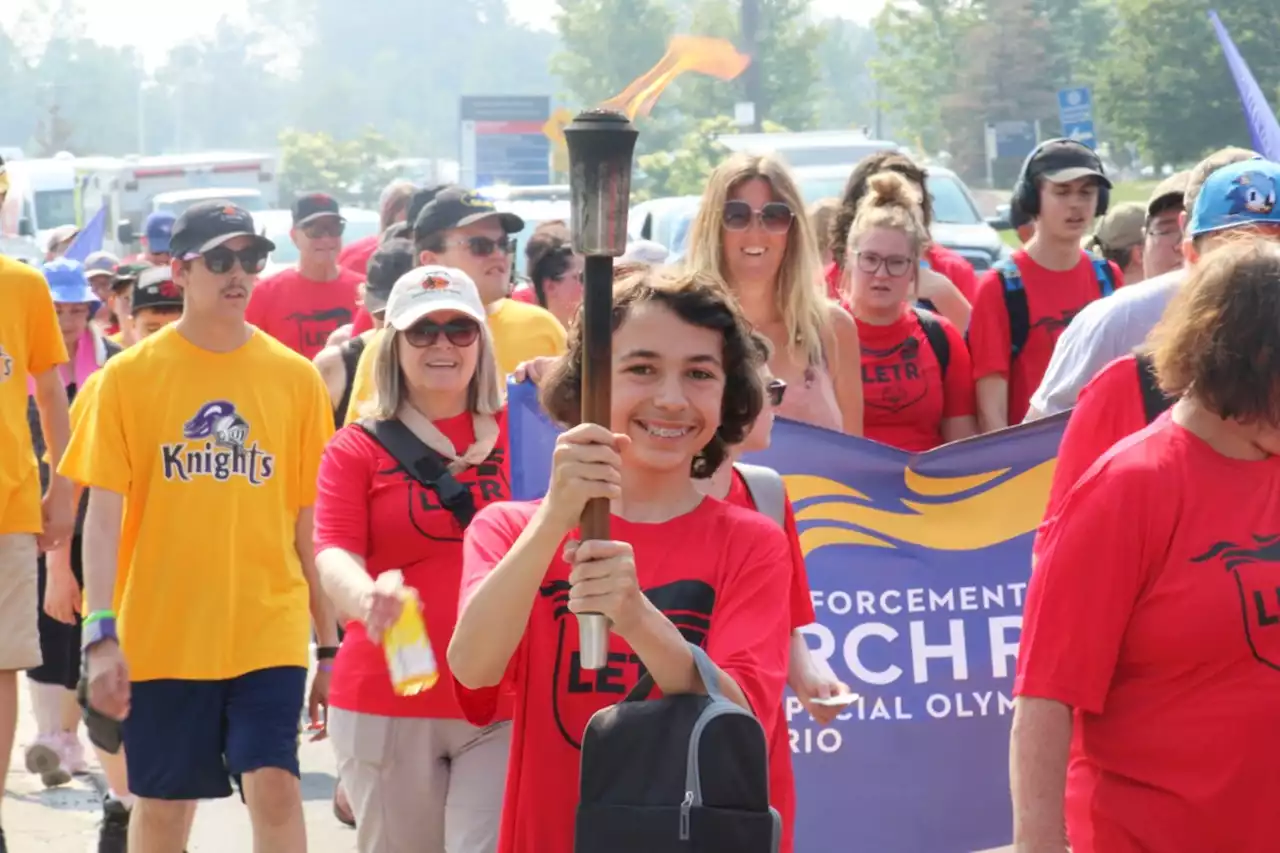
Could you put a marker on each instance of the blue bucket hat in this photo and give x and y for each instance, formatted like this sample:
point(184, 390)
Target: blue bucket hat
point(159, 229)
point(69, 285)
point(1237, 195)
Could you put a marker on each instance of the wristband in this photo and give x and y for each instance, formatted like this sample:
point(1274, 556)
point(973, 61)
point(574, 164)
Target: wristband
point(98, 616)
point(326, 652)
point(324, 666)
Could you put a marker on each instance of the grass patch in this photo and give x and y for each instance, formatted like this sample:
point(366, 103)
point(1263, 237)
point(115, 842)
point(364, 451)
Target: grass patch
point(1139, 191)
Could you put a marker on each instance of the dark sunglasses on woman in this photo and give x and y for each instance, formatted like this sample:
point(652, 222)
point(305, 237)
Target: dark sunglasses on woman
point(775, 217)
point(776, 389)
point(483, 247)
point(460, 333)
point(220, 259)
point(894, 265)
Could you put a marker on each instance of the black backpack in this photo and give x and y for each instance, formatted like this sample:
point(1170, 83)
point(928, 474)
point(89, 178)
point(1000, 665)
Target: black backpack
point(1015, 298)
point(1154, 401)
point(680, 773)
point(935, 335)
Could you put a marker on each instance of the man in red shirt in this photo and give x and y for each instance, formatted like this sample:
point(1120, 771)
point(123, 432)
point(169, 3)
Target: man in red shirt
point(393, 207)
point(302, 307)
point(1022, 306)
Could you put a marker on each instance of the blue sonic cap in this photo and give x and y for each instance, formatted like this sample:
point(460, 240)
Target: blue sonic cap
point(69, 284)
point(159, 229)
point(1236, 195)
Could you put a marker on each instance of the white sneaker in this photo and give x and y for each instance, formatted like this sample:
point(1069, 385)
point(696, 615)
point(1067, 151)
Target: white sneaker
point(72, 754)
point(44, 757)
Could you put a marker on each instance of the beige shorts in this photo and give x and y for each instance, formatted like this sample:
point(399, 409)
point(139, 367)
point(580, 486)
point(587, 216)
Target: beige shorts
point(421, 786)
point(19, 602)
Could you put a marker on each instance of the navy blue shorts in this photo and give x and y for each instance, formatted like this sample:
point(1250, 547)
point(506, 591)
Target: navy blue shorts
point(186, 740)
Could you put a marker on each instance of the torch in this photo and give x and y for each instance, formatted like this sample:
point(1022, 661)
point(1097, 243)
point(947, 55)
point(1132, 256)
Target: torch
point(600, 145)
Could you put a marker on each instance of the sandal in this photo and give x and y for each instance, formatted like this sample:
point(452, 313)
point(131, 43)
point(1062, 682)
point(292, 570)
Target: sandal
point(342, 808)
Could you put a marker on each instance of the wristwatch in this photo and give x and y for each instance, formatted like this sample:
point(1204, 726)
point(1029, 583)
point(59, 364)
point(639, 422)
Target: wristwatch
point(97, 631)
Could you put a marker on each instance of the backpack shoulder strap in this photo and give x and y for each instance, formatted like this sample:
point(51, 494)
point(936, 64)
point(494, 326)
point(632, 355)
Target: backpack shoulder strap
point(1015, 304)
point(350, 352)
point(937, 337)
point(1154, 401)
point(767, 490)
point(1102, 272)
point(424, 465)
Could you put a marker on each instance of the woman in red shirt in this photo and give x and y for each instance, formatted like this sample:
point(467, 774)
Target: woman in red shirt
point(682, 567)
point(1148, 683)
point(419, 776)
point(917, 379)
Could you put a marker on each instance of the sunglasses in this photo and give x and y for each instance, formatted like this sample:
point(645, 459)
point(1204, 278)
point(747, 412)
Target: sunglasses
point(460, 333)
point(894, 265)
point(776, 389)
point(483, 247)
point(775, 217)
point(220, 259)
point(324, 228)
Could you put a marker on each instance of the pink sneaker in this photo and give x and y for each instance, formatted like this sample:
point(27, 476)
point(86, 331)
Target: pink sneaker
point(72, 754)
point(44, 757)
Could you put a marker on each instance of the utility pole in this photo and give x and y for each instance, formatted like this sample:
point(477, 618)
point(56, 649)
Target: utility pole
point(751, 47)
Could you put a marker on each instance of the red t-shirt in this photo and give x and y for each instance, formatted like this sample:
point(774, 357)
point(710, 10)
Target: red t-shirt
point(941, 259)
point(905, 396)
point(368, 505)
point(1153, 612)
point(301, 313)
point(362, 322)
point(782, 780)
point(525, 293)
point(1108, 409)
point(1053, 300)
point(713, 571)
point(356, 254)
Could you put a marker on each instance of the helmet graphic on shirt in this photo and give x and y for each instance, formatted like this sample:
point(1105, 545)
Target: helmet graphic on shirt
point(217, 446)
point(219, 421)
point(1254, 569)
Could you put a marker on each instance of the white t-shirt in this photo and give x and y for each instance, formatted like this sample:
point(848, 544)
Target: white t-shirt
point(1105, 330)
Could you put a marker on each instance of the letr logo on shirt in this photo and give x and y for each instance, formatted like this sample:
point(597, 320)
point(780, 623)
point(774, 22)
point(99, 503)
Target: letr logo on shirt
point(217, 446)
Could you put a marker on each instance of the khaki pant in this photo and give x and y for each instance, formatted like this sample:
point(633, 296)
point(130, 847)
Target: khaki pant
point(19, 602)
point(421, 786)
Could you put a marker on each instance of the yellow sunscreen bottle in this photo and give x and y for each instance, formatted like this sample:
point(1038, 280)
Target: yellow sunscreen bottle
point(410, 660)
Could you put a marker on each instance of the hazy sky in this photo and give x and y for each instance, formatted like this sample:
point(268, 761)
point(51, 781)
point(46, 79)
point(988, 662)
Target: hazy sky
point(116, 21)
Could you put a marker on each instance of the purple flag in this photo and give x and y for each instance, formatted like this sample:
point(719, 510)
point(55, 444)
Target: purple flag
point(1263, 127)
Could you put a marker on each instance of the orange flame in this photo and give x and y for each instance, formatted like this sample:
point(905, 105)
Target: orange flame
point(714, 57)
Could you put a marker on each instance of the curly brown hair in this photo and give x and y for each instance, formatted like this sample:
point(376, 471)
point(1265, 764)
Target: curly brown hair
point(699, 300)
point(1219, 340)
point(856, 187)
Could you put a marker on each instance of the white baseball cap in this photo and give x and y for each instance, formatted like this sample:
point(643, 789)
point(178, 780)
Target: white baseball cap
point(426, 290)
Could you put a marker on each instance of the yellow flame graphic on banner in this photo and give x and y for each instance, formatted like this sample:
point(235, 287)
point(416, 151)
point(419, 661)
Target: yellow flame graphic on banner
point(996, 514)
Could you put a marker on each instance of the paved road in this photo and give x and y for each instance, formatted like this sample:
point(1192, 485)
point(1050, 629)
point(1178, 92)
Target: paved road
point(64, 820)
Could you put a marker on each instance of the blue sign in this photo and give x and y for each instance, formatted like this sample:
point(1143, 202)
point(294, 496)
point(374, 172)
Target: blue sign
point(1015, 139)
point(1075, 110)
point(918, 566)
point(502, 140)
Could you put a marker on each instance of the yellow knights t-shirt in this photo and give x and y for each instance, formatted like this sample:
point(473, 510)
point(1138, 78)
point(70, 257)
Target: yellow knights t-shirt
point(215, 454)
point(520, 331)
point(30, 344)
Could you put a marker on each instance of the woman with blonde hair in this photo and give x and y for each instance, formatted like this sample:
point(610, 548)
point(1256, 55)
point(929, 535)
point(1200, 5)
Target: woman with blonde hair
point(396, 492)
point(751, 232)
point(916, 373)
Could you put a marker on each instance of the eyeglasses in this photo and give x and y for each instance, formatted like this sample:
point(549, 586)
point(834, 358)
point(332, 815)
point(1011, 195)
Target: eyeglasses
point(775, 389)
point(775, 217)
point(324, 228)
point(483, 247)
point(460, 333)
point(220, 259)
point(894, 265)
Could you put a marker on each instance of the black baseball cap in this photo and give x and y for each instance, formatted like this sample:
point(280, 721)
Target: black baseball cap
point(209, 224)
point(454, 207)
point(313, 206)
point(1063, 160)
point(155, 289)
point(387, 265)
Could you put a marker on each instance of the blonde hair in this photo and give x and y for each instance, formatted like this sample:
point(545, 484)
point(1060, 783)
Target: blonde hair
point(893, 202)
point(799, 291)
point(484, 392)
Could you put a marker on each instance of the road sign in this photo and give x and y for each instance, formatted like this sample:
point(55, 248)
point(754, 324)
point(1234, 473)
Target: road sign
point(503, 140)
point(1075, 109)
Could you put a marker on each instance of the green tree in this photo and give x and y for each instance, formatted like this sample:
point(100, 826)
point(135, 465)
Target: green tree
point(684, 169)
point(787, 63)
point(351, 170)
point(847, 89)
point(605, 44)
point(697, 96)
point(1164, 83)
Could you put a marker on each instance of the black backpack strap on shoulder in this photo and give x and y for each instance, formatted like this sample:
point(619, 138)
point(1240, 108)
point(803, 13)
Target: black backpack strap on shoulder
point(1015, 304)
point(424, 465)
point(936, 335)
point(351, 350)
point(1154, 401)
